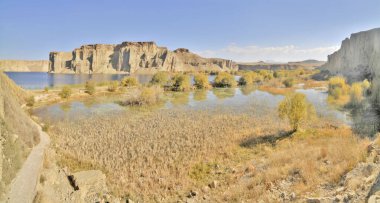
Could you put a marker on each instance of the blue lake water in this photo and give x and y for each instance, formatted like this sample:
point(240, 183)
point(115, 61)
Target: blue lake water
point(36, 80)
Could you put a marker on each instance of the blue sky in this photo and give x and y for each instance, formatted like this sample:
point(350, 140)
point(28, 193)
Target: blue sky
point(245, 30)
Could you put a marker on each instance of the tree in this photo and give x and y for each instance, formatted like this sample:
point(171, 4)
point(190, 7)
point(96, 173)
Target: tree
point(296, 109)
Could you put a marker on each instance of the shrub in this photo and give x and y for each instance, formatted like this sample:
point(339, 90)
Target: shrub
point(129, 81)
point(366, 85)
point(246, 79)
point(46, 89)
point(65, 92)
point(288, 82)
point(224, 79)
point(160, 78)
point(201, 81)
point(276, 74)
point(266, 74)
point(337, 87)
point(90, 87)
point(146, 96)
point(30, 101)
point(356, 93)
point(181, 82)
point(296, 109)
point(113, 85)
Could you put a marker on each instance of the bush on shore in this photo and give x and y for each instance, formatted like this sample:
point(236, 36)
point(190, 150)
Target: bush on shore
point(201, 81)
point(288, 82)
point(160, 78)
point(296, 109)
point(129, 81)
point(181, 82)
point(356, 93)
point(246, 79)
point(224, 79)
point(90, 87)
point(65, 92)
point(30, 101)
point(337, 87)
point(146, 96)
point(112, 86)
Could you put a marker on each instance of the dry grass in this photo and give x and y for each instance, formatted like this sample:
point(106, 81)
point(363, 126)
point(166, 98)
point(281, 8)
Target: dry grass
point(162, 155)
point(150, 155)
point(313, 158)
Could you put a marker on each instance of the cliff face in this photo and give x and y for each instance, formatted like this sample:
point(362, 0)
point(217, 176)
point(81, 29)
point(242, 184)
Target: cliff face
point(24, 66)
point(131, 57)
point(358, 57)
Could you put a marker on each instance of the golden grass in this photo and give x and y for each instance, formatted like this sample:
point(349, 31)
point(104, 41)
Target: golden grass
point(162, 155)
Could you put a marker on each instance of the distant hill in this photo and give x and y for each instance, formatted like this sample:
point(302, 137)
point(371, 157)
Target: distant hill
point(307, 64)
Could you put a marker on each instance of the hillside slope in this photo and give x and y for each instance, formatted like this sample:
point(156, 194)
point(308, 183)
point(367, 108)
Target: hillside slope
point(18, 134)
point(24, 65)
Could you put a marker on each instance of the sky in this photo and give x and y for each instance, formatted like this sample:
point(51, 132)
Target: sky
point(241, 30)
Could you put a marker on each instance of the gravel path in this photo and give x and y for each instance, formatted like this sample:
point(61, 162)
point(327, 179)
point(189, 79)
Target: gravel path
point(23, 187)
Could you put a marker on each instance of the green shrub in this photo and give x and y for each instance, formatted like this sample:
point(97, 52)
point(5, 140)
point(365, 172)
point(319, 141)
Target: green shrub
point(129, 81)
point(296, 109)
point(288, 82)
point(65, 92)
point(276, 74)
point(160, 78)
point(113, 85)
point(201, 81)
point(181, 82)
point(46, 89)
point(30, 101)
point(90, 87)
point(224, 79)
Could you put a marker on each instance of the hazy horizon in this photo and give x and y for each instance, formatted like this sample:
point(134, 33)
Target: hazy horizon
point(247, 31)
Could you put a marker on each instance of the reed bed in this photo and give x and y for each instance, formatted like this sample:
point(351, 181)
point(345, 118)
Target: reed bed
point(149, 156)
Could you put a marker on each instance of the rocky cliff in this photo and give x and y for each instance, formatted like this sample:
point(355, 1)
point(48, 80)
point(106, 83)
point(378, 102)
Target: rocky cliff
point(358, 57)
point(24, 66)
point(131, 57)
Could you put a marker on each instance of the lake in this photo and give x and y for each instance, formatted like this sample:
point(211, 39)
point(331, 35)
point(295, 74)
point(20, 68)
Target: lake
point(38, 80)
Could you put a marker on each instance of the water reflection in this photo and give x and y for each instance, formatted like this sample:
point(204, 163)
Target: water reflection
point(247, 89)
point(200, 95)
point(223, 93)
point(65, 107)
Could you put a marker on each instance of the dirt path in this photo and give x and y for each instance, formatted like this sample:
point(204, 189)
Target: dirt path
point(23, 187)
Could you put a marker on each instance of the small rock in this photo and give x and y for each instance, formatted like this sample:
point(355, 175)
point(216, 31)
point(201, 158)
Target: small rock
point(292, 196)
point(192, 194)
point(213, 184)
point(312, 200)
point(128, 201)
point(339, 190)
point(338, 198)
point(205, 189)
